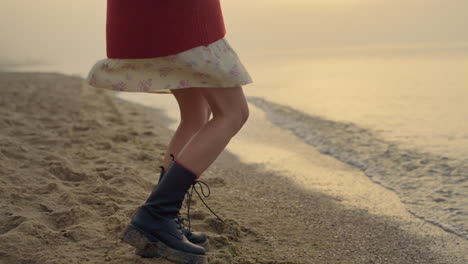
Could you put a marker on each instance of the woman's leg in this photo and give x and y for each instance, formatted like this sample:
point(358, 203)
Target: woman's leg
point(230, 112)
point(194, 113)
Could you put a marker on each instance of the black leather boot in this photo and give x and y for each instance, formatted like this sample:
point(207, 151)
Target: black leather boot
point(198, 238)
point(155, 228)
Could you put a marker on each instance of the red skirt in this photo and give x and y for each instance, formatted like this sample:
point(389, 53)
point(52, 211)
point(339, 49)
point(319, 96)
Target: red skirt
point(156, 28)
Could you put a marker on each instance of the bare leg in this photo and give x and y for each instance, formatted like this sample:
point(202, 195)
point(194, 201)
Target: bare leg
point(230, 112)
point(194, 113)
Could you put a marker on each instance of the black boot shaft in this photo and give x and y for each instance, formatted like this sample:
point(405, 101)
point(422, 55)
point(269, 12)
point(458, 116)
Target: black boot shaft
point(169, 194)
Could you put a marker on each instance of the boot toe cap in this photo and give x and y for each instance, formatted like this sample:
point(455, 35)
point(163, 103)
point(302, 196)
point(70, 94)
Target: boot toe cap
point(196, 237)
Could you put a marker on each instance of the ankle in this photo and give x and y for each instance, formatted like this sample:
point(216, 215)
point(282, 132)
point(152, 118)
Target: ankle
point(185, 167)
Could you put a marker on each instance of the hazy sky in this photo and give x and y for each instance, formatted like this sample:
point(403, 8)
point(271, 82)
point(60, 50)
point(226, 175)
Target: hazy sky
point(309, 24)
point(75, 30)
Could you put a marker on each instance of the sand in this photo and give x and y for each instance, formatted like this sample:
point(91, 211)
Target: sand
point(76, 162)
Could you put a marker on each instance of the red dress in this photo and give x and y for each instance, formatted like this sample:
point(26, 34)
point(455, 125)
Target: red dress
point(155, 28)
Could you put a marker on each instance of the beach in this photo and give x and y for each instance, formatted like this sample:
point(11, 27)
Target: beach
point(76, 162)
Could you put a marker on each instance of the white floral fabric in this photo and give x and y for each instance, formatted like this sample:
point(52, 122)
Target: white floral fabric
point(215, 65)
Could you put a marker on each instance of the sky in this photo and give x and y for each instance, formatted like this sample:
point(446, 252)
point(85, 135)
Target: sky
point(366, 24)
point(75, 30)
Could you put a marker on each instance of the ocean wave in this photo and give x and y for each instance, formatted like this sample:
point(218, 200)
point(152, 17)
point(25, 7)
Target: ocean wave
point(432, 187)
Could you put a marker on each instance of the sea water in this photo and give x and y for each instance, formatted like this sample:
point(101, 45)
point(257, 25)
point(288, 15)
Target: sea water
point(403, 120)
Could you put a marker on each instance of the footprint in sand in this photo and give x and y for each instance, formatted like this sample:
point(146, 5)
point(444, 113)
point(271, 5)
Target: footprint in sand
point(222, 249)
point(223, 237)
point(45, 208)
point(107, 190)
point(103, 145)
point(143, 156)
point(101, 161)
point(78, 233)
point(65, 173)
point(86, 154)
point(229, 228)
point(11, 122)
point(197, 214)
point(72, 216)
point(114, 120)
point(215, 182)
point(48, 188)
point(148, 133)
point(10, 222)
point(105, 174)
point(219, 258)
point(80, 128)
point(14, 154)
point(120, 138)
point(42, 140)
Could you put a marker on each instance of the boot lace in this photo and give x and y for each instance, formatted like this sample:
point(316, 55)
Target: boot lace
point(180, 219)
point(206, 195)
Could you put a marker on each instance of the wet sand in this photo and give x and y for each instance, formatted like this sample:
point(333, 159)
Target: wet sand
point(76, 162)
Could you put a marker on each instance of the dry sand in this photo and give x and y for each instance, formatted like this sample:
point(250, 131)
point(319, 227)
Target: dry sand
point(76, 161)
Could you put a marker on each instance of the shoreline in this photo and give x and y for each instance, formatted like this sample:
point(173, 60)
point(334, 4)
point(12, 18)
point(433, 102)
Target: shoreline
point(262, 141)
point(391, 164)
point(76, 161)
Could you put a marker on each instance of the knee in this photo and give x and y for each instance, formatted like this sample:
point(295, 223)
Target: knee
point(244, 115)
point(234, 119)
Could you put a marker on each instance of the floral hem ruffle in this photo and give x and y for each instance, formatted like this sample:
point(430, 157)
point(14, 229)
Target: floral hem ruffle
point(216, 65)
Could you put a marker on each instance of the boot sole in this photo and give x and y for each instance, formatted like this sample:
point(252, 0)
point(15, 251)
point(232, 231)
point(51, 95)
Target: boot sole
point(147, 253)
point(137, 238)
